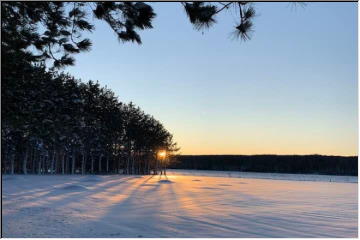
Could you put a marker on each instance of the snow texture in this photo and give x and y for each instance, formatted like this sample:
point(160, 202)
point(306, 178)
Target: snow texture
point(274, 176)
point(183, 204)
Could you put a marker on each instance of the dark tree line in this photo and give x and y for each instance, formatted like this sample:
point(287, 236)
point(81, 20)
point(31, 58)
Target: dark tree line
point(316, 164)
point(54, 123)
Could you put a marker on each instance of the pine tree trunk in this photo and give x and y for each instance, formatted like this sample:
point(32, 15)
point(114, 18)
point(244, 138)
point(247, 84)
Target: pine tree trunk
point(25, 160)
point(138, 161)
point(73, 162)
point(83, 162)
point(128, 164)
point(39, 165)
point(118, 164)
point(67, 164)
point(44, 165)
point(4, 159)
point(100, 158)
point(148, 166)
point(33, 161)
point(63, 163)
point(107, 163)
point(52, 162)
point(57, 156)
point(92, 163)
point(156, 165)
point(12, 159)
point(132, 165)
point(3, 162)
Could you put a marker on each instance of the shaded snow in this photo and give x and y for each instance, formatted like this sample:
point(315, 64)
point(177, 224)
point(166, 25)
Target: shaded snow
point(190, 206)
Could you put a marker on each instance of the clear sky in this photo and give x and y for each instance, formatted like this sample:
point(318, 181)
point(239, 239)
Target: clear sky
point(291, 89)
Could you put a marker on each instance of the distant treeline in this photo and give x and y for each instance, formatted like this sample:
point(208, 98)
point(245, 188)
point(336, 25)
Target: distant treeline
point(316, 164)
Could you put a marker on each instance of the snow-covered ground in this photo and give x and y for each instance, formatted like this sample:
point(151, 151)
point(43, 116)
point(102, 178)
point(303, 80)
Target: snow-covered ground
point(177, 206)
point(258, 175)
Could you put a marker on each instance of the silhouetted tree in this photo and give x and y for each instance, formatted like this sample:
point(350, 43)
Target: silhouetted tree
point(64, 125)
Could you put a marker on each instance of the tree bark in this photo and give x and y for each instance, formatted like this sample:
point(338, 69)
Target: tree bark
point(39, 164)
point(83, 162)
point(44, 164)
point(67, 163)
point(92, 163)
point(25, 160)
point(100, 158)
point(52, 162)
point(57, 156)
point(107, 163)
point(63, 163)
point(132, 165)
point(148, 165)
point(73, 162)
point(12, 159)
point(128, 164)
point(33, 161)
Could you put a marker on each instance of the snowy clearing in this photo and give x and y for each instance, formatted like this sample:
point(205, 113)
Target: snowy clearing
point(177, 206)
point(260, 175)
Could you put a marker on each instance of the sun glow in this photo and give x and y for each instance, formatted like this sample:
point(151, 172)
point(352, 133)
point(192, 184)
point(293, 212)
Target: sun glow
point(162, 154)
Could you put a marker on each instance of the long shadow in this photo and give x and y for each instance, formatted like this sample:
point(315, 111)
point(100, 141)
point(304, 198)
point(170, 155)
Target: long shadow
point(130, 203)
point(51, 198)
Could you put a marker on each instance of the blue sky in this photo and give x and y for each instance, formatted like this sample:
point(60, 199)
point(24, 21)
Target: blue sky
point(291, 89)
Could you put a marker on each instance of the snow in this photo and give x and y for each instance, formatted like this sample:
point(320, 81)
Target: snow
point(273, 176)
point(183, 204)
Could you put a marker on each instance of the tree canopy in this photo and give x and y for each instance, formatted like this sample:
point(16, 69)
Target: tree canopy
point(54, 123)
point(43, 31)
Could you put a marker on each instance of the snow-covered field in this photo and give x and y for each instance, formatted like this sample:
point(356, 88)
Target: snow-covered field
point(258, 175)
point(185, 204)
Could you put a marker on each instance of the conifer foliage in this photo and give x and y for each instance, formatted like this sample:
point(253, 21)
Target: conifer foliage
point(53, 31)
point(54, 123)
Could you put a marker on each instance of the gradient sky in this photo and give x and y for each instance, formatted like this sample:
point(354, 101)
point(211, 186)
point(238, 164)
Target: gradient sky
point(292, 89)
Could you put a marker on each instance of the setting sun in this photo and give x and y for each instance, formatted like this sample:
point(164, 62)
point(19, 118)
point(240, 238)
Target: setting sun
point(162, 154)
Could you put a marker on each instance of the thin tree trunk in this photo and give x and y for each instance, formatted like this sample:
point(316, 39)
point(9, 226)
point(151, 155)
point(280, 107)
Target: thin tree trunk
point(92, 163)
point(12, 159)
point(148, 165)
point(128, 164)
point(57, 162)
point(156, 165)
point(4, 159)
point(52, 162)
point(73, 162)
point(83, 162)
point(33, 160)
point(100, 158)
point(67, 164)
point(107, 163)
point(138, 163)
point(43, 166)
point(118, 164)
point(25, 160)
point(132, 165)
point(62, 162)
point(39, 164)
